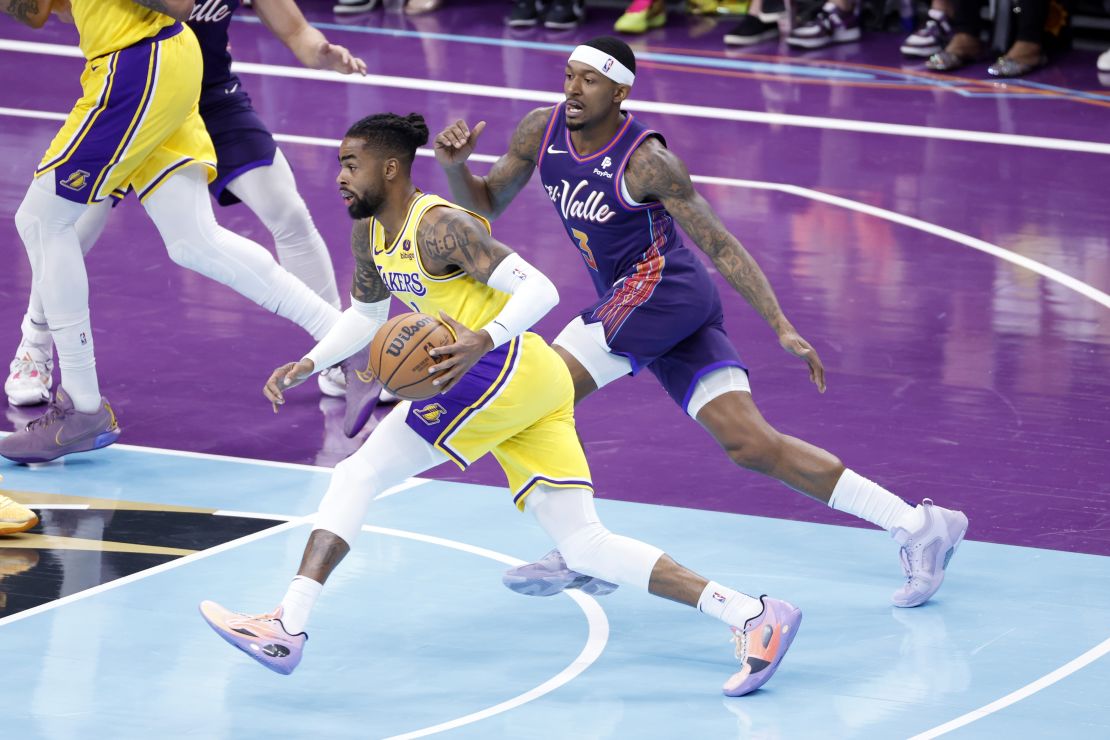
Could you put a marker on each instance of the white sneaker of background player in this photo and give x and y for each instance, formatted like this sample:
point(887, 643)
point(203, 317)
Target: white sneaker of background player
point(30, 376)
point(332, 382)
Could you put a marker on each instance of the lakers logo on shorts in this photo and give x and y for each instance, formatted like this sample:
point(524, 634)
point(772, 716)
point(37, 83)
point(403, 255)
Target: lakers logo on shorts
point(431, 414)
point(77, 180)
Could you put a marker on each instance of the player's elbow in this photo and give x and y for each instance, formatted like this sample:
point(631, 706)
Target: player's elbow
point(547, 294)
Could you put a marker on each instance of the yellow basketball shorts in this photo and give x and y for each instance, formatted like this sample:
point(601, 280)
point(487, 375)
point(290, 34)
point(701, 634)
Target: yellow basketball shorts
point(518, 403)
point(136, 123)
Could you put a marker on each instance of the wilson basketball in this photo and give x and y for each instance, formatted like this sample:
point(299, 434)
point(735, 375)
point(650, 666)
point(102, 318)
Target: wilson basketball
point(399, 354)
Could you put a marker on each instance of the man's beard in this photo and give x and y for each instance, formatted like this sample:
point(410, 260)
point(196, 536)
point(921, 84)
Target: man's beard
point(362, 208)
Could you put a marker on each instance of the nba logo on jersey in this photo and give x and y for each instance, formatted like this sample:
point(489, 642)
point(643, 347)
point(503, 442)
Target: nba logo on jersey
point(608, 65)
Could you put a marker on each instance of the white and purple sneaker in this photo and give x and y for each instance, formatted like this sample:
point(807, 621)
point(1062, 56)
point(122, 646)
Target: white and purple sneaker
point(930, 38)
point(927, 551)
point(550, 575)
point(831, 25)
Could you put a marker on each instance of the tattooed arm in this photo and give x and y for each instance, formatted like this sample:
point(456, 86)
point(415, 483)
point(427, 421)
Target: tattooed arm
point(177, 9)
point(31, 13)
point(367, 285)
point(448, 240)
point(655, 173)
point(490, 195)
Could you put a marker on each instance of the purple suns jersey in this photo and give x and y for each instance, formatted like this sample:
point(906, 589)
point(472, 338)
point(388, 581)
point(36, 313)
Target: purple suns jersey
point(210, 20)
point(616, 236)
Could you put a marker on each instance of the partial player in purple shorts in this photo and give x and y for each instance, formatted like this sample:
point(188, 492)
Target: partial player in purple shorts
point(243, 143)
point(250, 169)
point(621, 195)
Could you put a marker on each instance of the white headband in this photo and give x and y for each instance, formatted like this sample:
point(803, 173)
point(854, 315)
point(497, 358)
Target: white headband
point(604, 64)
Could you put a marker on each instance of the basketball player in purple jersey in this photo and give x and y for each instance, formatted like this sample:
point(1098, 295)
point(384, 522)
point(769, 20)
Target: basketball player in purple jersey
point(250, 169)
point(620, 193)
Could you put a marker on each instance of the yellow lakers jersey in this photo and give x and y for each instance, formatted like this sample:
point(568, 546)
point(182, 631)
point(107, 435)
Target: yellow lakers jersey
point(460, 296)
point(110, 25)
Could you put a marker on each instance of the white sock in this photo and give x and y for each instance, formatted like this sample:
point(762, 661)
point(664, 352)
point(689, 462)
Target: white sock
point(77, 364)
point(728, 605)
point(298, 603)
point(868, 500)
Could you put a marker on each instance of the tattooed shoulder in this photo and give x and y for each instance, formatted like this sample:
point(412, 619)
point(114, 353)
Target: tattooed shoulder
point(529, 134)
point(654, 172)
point(450, 239)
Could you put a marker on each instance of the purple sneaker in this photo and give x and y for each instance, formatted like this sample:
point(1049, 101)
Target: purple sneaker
point(550, 576)
point(831, 25)
point(62, 430)
point(931, 38)
point(262, 637)
point(925, 552)
point(761, 645)
point(363, 390)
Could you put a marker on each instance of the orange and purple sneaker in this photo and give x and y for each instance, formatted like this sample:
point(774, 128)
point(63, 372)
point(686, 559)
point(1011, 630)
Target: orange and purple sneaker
point(262, 637)
point(761, 645)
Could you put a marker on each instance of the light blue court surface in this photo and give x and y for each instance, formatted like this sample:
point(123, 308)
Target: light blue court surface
point(415, 630)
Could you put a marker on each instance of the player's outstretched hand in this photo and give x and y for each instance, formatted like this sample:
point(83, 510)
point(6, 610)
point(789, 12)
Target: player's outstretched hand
point(339, 59)
point(455, 144)
point(459, 357)
point(287, 376)
point(793, 343)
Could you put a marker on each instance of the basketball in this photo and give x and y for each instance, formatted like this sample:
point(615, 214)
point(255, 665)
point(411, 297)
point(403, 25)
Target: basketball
point(399, 354)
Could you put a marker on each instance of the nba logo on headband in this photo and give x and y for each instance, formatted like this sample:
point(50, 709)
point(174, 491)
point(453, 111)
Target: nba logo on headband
point(607, 65)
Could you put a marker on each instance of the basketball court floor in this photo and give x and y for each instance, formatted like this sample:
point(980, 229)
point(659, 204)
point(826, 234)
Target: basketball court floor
point(942, 241)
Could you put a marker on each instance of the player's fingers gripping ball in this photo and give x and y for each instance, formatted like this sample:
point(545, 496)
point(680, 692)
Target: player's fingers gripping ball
point(399, 354)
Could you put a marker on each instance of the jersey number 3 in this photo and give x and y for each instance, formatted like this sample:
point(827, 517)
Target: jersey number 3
point(584, 247)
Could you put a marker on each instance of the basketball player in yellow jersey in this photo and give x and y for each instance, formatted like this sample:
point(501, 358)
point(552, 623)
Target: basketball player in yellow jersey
point(505, 391)
point(135, 128)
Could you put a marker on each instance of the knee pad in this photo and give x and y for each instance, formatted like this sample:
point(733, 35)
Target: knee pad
point(195, 254)
point(344, 506)
point(596, 551)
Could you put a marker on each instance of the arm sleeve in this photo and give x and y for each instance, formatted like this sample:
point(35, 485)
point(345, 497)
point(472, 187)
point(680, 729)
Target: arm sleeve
point(532, 295)
point(354, 330)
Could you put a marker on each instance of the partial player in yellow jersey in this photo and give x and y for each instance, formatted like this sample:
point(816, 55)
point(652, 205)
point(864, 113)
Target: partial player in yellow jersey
point(135, 128)
point(505, 391)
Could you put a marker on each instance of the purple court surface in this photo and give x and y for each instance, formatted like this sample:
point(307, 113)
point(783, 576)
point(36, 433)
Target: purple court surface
point(942, 241)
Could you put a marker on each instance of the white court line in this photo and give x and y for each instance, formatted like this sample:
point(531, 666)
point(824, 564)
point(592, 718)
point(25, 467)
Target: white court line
point(650, 106)
point(1023, 693)
point(596, 639)
point(1050, 273)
